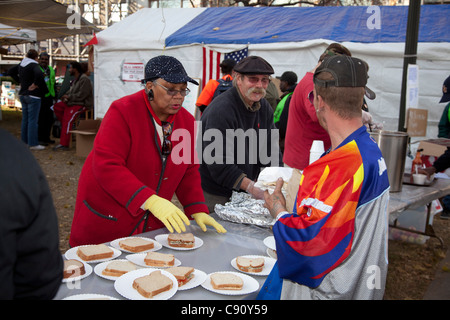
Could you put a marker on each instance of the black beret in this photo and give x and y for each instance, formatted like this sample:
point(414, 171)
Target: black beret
point(253, 65)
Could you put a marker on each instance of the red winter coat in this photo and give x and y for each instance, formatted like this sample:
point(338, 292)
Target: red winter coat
point(124, 169)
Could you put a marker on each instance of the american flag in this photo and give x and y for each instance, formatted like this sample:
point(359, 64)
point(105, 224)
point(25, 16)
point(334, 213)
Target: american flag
point(237, 55)
point(212, 59)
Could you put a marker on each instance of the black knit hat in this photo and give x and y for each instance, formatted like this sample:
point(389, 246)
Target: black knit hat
point(167, 68)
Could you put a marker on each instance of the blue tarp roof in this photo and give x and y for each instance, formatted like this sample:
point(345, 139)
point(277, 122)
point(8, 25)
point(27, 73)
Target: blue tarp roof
point(243, 25)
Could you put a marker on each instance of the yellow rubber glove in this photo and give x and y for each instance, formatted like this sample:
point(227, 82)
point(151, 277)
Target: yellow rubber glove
point(204, 219)
point(167, 212)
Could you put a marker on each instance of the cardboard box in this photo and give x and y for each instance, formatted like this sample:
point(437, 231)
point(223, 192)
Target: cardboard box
point(434, 147)
point(85, 135)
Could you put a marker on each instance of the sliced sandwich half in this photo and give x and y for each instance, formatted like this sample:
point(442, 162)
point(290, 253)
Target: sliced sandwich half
point(226, 281)
point(94, 252)
point(117, 268)
point(248, 264)
point(182, 240)
point(152, 284)
point(136, 244)
point(157, 259)
point(182, 274)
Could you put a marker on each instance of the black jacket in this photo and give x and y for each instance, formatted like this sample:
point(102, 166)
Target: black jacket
point(31, 265)
point(27, 73)
point(221, 172)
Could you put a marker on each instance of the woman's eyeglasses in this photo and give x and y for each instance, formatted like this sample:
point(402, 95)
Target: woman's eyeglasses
point(172, 93)
point(166, 148)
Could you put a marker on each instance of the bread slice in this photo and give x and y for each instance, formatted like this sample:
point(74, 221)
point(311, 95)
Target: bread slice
point(117, 268)
point(73, 268)
point(226, 281)
point(94, 252)
point(152, 284)
point(136, 244)
point(181, 240)
point(248, 264)
point(182, 274)
point(156, 259)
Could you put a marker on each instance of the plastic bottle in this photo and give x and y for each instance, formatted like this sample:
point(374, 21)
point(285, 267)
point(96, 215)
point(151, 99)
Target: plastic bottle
point(317, 149)
point(417, 162)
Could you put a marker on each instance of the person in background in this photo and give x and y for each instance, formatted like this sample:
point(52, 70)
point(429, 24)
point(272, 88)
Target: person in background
point(303, 126)
point(240, 109)
point(444, 123)
point(135, 167)
point(75, 101)
point(288, 82)
point(272, 95)
point(210, 90)
point(441, 164)
point(334, 245)
point(46, 115)
point(31, 264)
point(32, 90)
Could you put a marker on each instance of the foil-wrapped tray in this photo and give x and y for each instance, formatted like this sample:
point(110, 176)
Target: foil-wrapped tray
point(242, 208)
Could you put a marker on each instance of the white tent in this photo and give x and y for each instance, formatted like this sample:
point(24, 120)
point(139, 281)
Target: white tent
point(292, 43)
point(15, 35)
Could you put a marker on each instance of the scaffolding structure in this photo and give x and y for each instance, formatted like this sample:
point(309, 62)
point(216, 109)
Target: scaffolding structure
point(102, 13)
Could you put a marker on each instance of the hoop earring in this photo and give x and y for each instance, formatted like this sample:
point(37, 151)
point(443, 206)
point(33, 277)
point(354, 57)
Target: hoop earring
point(150, 95)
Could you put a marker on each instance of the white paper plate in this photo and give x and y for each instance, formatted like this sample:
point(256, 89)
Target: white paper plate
point(250, 284)
point(124, 285)
point(162, 238)
point(72, 254)
point(87, 268)
point(269, 242)
point(271, 253)
point(90, 296)
point(199, 278)
point(268, 265)
point(98, 269)
point(138, 258)
point(115, 244)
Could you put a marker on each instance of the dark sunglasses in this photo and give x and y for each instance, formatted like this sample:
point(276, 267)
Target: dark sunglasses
point(166, 148)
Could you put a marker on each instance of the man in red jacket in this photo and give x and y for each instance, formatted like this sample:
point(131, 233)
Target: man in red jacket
point(134, 169)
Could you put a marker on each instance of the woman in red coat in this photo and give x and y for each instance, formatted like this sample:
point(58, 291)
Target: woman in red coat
point(142, 155)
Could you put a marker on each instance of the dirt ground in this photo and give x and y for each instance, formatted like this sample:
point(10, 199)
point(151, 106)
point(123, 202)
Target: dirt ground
point(411, 266)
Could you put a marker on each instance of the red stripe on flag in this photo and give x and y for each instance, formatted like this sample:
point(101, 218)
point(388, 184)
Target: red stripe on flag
point(217, 75)
point(204, 68)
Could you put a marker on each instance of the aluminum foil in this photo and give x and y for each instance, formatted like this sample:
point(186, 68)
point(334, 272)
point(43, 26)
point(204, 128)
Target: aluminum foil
point(242, 208)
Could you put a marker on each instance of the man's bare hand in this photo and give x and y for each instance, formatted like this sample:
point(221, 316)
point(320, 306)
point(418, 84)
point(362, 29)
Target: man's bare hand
point(275, 202)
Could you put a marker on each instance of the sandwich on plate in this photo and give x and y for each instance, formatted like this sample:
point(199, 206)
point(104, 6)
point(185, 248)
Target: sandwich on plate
point(136, 244)
point(248, 264)
point(117, 268)
point(152, 284)
point(182, 274)
point(73, 268)
point(94, 252)
point(181, 240)
point(156, 259)
point(226, 281)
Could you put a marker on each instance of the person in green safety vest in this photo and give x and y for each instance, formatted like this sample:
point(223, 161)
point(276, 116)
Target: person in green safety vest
point(288, 82)
point(46, 116)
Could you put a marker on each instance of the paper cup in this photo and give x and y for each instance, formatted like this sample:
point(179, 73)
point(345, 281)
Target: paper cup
point(419, 178)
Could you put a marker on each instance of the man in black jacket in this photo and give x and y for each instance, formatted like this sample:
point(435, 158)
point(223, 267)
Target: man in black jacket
point(31, 265)
point(32, 89)
point(239, 137)
point(442, 163)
